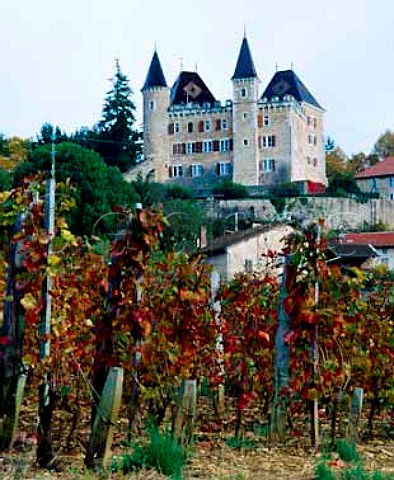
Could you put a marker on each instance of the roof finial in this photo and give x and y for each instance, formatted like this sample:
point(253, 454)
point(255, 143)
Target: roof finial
point(276, 66)
point(244, 29)
point(155, 46)
point(181, 64)
point(291, 66)
point(196, 66)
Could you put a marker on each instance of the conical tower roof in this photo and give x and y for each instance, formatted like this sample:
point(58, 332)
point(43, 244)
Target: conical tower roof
point(155, 77)
point(286, 82)
point(245, 67)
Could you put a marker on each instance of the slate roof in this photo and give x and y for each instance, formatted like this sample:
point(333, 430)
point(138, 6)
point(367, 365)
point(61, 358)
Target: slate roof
point(380, 169)
point(356, 250)
point(189, 87)
point(245, 67)
point(155, 77)
point(376, 239)
point(286, 82)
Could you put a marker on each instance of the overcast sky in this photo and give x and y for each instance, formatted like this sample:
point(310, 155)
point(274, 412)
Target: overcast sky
point(57, 57)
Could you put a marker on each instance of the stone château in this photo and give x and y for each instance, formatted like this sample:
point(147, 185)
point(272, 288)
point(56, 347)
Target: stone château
point(253, 139)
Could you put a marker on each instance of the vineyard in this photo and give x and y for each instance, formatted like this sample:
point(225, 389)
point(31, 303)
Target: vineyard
point(107, 347)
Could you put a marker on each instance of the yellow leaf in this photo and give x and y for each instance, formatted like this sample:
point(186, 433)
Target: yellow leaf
point(53, 260)
point(28, 302)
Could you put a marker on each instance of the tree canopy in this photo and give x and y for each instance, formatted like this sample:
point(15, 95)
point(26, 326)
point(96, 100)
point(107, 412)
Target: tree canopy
point(97, 187)
point(384, 147)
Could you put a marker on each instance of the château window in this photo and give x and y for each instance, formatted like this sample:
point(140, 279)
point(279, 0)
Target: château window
point(268, 165)
point(196, 170)
point(190, 127)
point(207, 146)
point(245, 116)
point(225, 145)
point(246, 142)
point(152, 105)
point(244, 92)
point(269, 141)
point(266, 120)
point(178, 148)
point(224, 124)
point(224, 168)
point(176, 171)
point(190, 148)
point(177, 127)
point(207, 126)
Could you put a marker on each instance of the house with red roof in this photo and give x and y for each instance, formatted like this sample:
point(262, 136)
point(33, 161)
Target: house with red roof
point(382, 242)
point(378, 179)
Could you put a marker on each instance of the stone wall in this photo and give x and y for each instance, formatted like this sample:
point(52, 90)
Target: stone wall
point(339, 213)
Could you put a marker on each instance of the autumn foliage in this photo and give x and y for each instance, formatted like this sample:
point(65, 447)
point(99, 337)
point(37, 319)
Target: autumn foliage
point(153, 314)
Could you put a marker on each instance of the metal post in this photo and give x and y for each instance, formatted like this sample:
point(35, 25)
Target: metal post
point(47, 395)
point(282, 359)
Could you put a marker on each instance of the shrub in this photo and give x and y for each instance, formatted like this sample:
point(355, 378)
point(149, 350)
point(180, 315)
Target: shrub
point(228, 190)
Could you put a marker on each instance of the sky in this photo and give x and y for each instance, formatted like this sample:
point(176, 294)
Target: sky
point(57, 57)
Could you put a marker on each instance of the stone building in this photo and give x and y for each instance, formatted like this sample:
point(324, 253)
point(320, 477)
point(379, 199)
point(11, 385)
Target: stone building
point(253, 139)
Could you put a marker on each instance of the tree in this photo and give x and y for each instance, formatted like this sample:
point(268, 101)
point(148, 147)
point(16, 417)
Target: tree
point(13, 151)
point(384, 147)
point(97, 187)
point(46, 135)
point(5, 180)
point(117, 140)
point(341, 170)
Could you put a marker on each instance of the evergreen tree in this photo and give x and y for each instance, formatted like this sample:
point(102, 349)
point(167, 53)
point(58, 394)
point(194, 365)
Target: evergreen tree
point(46, 135)
point(117, 140)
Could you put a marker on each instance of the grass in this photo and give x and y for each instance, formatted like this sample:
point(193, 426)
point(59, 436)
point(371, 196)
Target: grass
point(354, 470)
point(162, 452)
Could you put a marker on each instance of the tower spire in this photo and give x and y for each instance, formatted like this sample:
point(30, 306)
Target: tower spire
point(245, 67)
point(155, 77)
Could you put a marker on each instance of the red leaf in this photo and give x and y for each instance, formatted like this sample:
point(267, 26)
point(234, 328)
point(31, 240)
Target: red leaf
point(4, 340)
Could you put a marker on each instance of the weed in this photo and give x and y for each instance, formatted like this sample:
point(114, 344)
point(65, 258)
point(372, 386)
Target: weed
point(161, 452)
point(240, 442)
point(324, 472)
point(347, 451)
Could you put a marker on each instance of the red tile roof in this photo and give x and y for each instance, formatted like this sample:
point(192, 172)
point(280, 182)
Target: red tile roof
point(376, 239)
point(381, 169)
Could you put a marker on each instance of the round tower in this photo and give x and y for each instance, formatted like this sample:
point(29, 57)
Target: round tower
point(156, 100)
point(245, 110)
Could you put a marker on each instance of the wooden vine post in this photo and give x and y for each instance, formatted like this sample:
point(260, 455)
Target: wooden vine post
point(47, 392)
point(355, 413)
point(185, 413)
point(99, 450)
